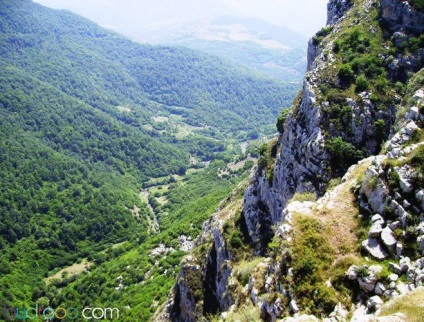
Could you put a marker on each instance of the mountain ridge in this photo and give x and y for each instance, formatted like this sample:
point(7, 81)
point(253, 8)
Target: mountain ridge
point(284, 255)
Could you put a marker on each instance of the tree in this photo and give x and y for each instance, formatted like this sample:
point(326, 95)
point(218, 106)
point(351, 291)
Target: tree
point(343, 154)
point(281, 120)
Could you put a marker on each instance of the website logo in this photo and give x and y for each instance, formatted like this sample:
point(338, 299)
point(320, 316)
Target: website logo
point(60, 313)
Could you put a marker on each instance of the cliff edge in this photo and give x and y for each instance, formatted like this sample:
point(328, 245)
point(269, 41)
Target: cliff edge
point(331, 223)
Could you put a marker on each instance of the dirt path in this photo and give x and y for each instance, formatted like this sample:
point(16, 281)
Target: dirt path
point(153, 223)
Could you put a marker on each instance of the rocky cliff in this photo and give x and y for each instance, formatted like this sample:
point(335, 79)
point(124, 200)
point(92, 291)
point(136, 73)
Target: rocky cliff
point(354, 140)
point(305, 161)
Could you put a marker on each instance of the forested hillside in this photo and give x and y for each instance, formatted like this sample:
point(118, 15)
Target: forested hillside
point(87, 117)
point(106, 70)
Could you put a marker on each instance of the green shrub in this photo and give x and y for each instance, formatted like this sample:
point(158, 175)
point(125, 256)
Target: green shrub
point(372, 182)
point(382, 83)
point(398, 233)
point(304, 196)
point(353, 40)
point(267, 154)
point(236, 241)
point(334, 183)
point(418, 158)
point(324, 88)
point(337, 97)
point(325, 298)
point(320, 35)
point(415, 43)
point(336, 46)
point(379, 130)
point(361, 48)
point(263, 156)
point(400, 88)
point(417, 162)
point(346, 74)
point(362, 84)
point(393, 179)
point(246, 269)
point(282, 119)
point(343, 154)
point(363, 272)
point(339, 270)
point(410, 243)
point(417, 4)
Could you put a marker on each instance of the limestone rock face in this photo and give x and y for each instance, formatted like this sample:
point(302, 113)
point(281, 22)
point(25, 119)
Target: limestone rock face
point(303, 162)
point(362, 124)
point(386, 195)
point(336, 9)
point(388, 239)
point(400, 16)
point(300, 167)
point(375, 231)
point(374, 303)
point(202, 287)
point(186, 304)
point(402, 21)
point(374, 189)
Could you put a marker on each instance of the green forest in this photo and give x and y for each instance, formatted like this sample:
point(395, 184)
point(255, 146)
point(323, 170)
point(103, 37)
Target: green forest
point(89, 120)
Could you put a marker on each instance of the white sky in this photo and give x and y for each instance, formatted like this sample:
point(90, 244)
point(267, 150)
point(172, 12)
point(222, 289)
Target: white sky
point(305, 16)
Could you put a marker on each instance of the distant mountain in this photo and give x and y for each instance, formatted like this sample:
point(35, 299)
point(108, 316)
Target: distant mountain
point(273, 50)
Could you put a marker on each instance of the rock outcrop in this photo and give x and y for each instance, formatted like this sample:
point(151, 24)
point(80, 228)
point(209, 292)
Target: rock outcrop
point(203, 285)
point(303, 162)
point(399, 16)
point(390, 202)
point(336, 10)
point(302, 165)
point(401, 22)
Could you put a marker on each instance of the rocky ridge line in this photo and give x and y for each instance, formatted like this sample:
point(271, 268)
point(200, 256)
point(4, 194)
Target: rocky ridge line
point(302, 166)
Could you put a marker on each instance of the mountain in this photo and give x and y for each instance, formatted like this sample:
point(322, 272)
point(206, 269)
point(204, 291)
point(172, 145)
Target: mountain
point(330, 226)
point(88, 120)
point(118, 190)
point(273, 50)
point(136, 74)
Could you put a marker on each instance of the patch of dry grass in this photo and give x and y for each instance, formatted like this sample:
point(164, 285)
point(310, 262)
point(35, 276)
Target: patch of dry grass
point(245, 269)
point(324, 244)
point(410, 305)
point(304, 196)
point(339, 214)
point(69, 271)
point(243, 314)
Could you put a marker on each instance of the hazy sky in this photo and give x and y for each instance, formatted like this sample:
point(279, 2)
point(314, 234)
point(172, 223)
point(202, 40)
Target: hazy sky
point(305, 16)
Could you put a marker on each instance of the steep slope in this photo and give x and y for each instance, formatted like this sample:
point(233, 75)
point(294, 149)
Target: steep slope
point(346, 109)
point(135, 277)
point(324, 257)
point(86, 118)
